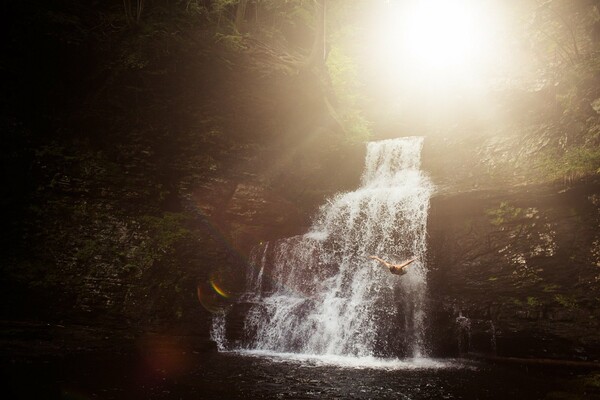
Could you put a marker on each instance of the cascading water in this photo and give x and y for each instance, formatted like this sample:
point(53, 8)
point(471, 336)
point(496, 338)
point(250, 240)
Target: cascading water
point(322, 295)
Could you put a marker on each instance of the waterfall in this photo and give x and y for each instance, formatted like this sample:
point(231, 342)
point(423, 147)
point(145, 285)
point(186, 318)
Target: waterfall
point(258, 260)
point(323, 294)
point(464, 333)
point(217, 330)
point(493, 342)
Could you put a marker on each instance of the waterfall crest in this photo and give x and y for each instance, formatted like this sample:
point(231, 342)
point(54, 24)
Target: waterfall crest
point(319, 293)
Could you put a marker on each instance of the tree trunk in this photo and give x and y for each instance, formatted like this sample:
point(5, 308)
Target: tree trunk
point(318, 54)
point(140, 8)
point(240, 14)
point(133, 17)
point(128, 12)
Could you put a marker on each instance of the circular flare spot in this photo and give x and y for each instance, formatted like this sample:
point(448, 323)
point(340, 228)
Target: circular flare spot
point(209, 299)
point(223, 282)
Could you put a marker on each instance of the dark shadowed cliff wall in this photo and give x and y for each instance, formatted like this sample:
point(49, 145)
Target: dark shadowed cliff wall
point(515, 272)
point(141, 162)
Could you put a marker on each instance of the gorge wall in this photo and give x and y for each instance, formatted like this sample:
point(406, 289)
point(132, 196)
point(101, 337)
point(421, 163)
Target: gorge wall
point(513, 249)
point(515, 272)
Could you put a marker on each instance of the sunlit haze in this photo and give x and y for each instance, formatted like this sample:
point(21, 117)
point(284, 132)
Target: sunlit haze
point(431, 61)
point(431, 40)
point(441, 34)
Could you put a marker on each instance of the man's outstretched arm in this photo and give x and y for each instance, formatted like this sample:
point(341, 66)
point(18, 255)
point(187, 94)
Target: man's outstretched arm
point(387, 264)
point(405, 263)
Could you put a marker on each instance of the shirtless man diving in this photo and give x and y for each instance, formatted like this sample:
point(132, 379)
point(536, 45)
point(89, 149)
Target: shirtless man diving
point(396, 269)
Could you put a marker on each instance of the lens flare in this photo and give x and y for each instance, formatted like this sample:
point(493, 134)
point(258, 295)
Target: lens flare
point(209, 299)
point(219, 290)
point(163, 355)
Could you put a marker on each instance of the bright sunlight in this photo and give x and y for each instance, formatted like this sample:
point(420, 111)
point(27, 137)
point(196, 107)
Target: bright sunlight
point(435, 38)
point(442, 34)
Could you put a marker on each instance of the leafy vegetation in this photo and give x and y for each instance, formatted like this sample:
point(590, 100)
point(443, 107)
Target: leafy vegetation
point(533, 302)
point(503, 214)
point(166, 231)
point(551, 288)
point(566, 301)
point(574, 163)
point(565, 35)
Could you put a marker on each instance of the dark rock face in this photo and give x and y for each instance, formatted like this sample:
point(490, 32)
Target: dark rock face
point(119, 217)
point(248, 213)
point(516, 273)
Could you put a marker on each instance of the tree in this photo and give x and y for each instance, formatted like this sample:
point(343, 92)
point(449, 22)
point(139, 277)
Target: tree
point(240, 15)
point(133, 16)
point(563, 31)
point(318, 54)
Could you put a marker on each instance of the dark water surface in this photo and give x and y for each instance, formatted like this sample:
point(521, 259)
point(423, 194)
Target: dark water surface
point(212, 375)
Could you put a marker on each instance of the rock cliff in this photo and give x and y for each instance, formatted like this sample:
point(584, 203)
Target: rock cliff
point(515, 272)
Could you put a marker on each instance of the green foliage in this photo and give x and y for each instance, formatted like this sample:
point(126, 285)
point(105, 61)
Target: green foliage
point(592, 380)
point(562, 31)
point(166, 231)
point(576, 162)
point(343, 76)
point(582, 161)
point(566, 301)
point(576, 88)
point(220, 6)
point(533, 302)
point(358, 127)
point(196, 8)
point(302, 15)
point(232, 42)
point(551, 288)
point(563, 35)
point(134, 59)
point(346, 85)
point(504, 213)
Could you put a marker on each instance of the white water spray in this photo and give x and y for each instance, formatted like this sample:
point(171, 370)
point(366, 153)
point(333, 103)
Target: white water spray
point(217, 331)
point(320, 294)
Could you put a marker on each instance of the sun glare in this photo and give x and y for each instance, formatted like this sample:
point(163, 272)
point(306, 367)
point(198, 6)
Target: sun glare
point(441, 34)
point(436, 38)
